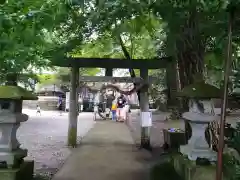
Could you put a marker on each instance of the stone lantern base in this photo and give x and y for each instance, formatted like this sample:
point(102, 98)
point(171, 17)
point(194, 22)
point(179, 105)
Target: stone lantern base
point(193, 154)
point(197, 146)
point(14, 158)
point(10, 151)
point(24, 172)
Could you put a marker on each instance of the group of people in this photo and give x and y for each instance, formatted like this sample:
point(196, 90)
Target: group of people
point(120, 109)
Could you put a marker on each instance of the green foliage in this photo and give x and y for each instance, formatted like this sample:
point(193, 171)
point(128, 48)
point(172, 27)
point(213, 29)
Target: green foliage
point(235, 140)
point(46, 79)
point(231, 167)
point(236, 78)
point(164, 171)
point(28, 80)
point(231, 162)
point(24, 29)
point(158, 88)
point(38, 33)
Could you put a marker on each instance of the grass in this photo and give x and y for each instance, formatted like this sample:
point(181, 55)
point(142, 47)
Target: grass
point(164, 171)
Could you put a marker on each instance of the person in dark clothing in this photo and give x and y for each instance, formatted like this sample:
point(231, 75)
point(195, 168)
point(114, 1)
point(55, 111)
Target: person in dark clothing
point(121, 101)
point(60, 105)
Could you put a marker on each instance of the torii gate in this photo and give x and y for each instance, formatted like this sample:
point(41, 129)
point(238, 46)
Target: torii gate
point(109, 64)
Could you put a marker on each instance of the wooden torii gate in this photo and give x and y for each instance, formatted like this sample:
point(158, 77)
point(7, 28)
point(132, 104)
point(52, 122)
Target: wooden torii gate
point(109, 64)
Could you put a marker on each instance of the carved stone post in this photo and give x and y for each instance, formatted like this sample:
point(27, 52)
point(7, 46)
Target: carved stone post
point(11, 155)
point(200, 114)
point(197, 146)
point(108, 72)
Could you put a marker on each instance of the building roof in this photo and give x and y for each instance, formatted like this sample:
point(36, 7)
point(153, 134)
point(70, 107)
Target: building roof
point(50, 88)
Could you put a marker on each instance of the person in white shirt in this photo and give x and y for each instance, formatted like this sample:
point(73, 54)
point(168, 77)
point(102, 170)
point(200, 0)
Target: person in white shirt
point(38, 110)
point(125, 112)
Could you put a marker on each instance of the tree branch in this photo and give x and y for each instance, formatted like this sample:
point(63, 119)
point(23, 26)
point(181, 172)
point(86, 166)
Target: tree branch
point(128, 57)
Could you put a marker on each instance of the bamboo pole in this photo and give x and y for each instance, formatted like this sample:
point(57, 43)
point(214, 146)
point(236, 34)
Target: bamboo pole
point(228, 62)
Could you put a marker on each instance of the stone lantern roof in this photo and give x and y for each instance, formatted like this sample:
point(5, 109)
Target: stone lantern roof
point(16, 93)
point(200, 90)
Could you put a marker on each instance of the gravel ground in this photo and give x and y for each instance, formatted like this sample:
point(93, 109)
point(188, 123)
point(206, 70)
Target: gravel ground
point(45, 138)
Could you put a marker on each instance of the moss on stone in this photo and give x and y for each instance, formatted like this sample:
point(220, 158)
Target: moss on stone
point(236, 91)
point(72, 137)
point(16, 92)
point(24, 172)
point(200, 90)
point(188, 169)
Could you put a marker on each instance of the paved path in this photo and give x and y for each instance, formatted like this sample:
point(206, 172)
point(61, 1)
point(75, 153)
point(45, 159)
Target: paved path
point(107, 152)
point(45, 137)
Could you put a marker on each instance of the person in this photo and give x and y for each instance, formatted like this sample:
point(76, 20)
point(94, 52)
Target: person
point(81, 107)
point(60, 105)
point(120, 104)
point(38, 110)
point(114, 111)
point(125, 113)
point(95, 111)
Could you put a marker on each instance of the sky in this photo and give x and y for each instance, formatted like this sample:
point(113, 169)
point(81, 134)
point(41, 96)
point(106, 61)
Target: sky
point(116, 73)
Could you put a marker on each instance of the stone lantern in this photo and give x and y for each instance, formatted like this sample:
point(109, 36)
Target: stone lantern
point(11, 155)
point(200, 114)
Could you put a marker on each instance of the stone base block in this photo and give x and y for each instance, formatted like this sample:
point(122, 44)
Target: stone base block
point(24, 172)
point(188, 169)
point(193, 154)
point(174, 139)
point(12, 159)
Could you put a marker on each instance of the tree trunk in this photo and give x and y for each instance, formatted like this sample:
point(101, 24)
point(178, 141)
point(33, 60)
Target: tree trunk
point(190, 56)
point(190, 50)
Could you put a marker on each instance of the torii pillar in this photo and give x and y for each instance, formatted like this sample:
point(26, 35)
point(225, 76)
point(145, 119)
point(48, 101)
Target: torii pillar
point(73, 112)
point(108, 72)
point(146, 117)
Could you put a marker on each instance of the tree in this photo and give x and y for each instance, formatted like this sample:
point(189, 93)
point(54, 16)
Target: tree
point(123, 38)
point(23, 33)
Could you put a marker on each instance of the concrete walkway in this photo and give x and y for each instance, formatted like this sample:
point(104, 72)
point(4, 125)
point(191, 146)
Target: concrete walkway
point(107, 152)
